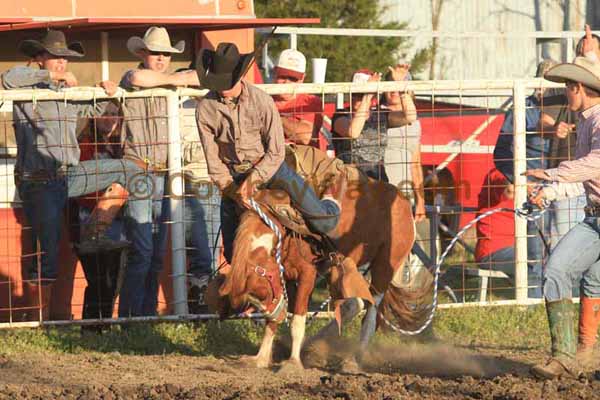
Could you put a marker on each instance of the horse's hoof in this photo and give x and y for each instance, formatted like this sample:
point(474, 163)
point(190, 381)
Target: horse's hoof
point(291, 366)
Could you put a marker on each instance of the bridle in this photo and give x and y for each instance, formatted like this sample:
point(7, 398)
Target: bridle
point(277, 310)
point(279, 313)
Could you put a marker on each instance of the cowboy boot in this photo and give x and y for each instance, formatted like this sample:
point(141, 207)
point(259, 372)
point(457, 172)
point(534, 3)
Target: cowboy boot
point(562, 362)
point(37, 301)
point(589, 319)
point(335, 193)
point(336, 190)
point(93, 234)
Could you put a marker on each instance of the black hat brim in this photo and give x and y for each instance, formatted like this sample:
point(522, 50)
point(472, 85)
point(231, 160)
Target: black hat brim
point(220, 82)
point(32, 48)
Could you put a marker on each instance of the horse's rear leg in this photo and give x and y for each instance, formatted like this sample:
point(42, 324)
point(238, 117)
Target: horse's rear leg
point(316, 348)
point(369, 322)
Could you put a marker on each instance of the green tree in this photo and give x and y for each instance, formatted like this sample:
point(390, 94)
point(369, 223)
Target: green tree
point(345, 54)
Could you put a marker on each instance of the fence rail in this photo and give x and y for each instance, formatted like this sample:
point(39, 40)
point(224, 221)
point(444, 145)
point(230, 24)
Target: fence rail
point(517, 89)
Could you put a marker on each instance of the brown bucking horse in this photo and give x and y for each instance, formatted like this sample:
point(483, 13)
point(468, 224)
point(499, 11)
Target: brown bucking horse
point(376, 226)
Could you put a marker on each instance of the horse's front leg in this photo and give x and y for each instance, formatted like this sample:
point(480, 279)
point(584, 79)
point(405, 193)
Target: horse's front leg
point(306, 284)
point(263, 358)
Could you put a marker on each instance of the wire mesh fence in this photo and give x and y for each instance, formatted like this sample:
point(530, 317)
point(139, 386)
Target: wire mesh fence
point(464, 158)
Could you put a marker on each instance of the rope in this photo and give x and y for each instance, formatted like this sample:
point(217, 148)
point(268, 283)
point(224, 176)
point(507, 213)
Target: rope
point(526, 212)
point(275, 229)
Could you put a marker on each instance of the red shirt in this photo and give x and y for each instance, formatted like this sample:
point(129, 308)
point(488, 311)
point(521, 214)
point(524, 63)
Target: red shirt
point(497, 231)
point(306, 107)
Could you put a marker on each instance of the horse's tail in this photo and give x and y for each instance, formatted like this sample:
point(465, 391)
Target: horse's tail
point(407, 297)
point(405, 306)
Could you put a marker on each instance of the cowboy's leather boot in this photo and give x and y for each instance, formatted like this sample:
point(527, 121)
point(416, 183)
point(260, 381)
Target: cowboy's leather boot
point(93, 234)
point(336, 190)
point(589, 319)
point(562, 362)
point(37, 300)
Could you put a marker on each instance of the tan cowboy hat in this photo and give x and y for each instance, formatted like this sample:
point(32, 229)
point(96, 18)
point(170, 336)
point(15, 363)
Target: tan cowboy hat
point(222, 68)
point(155, 39)
point(581, 70)
point(54, 43)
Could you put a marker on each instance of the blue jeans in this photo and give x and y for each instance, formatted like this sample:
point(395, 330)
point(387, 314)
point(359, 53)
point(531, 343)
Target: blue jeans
point(202, 220)
point(575, 258)
point(566, 214)
point(504, 260)
point(321, 216)
point(146, 226)
point(44, 201)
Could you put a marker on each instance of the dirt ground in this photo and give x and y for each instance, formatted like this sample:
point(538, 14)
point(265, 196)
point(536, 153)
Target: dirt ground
point(409, 372)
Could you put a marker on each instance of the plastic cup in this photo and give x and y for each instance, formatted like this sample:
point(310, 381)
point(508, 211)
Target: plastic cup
point(319, 69)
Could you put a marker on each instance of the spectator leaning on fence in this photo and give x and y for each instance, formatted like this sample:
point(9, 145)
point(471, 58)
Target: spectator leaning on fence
point(243, 142)
point(360, 132)
point(582, 79)
point(403, 151)
point(99, 140)
point(48, 170)
point(539, 132)
point(301, 114)
point(145, 142)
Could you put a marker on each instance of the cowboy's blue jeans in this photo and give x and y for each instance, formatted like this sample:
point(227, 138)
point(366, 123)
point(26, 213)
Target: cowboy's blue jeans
point(575, 258)
point(146, 226)
point(566, 214)
point(201, 224)
point(44, 201)
point(321, 216)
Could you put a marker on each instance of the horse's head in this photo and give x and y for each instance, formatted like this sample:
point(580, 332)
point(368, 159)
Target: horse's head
point(254, 283)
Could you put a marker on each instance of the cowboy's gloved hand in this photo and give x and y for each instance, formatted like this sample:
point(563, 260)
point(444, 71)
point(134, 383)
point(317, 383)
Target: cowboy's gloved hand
point(248, 188)
point(538, 197)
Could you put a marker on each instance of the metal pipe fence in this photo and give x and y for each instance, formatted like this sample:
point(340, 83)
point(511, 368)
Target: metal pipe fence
point(465, 146)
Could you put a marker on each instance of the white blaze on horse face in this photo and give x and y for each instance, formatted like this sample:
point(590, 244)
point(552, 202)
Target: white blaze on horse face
point(264, 241)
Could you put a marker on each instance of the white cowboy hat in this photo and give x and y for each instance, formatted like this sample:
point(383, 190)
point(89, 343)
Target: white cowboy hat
point(155, 39)
point(580, 70)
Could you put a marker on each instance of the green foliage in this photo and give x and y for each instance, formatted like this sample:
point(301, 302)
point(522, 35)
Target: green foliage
point(345, 54)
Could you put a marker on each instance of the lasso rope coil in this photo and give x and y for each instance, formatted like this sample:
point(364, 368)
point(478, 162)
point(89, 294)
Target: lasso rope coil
point(521, 212)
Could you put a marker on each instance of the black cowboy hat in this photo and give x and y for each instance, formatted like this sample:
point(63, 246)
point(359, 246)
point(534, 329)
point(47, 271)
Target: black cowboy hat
point(221, 69)
point(54, 43)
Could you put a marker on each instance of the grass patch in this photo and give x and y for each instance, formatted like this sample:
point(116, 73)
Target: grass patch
point(501, 327)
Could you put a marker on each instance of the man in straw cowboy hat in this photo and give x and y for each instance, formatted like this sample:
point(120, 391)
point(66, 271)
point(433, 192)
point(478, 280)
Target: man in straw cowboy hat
point(243, 142)
point(146, 137)
point(582, 80)
point(48, 170)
